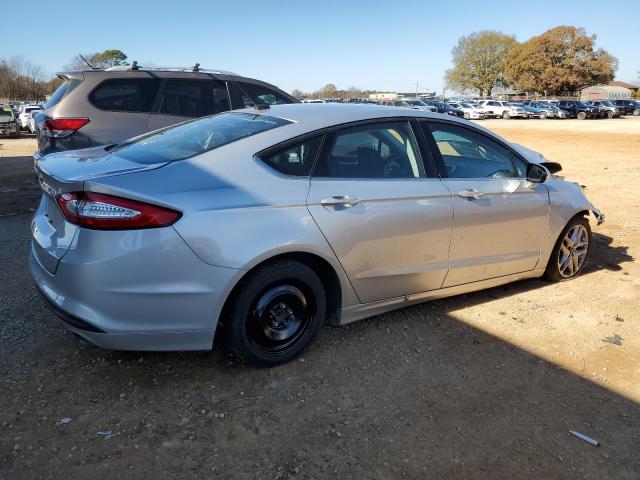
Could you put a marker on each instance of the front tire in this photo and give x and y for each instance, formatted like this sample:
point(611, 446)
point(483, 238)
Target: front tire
point(506, 115)
point(543, 115)
point(467, 116)
point(636, 112)
point(277, 313)
point(581, 115)
point(609, 114)
point(570, 253)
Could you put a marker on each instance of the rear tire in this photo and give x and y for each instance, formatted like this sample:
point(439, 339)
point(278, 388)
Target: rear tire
point(569, 255)
point(636, 112)
point(609, 114)
point(543, 115)
point(581, 115)
point(277, 313)
point(467, 116)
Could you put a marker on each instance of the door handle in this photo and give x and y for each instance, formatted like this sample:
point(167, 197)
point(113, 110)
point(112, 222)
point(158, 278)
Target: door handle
point(344, 200)
point(470, 193)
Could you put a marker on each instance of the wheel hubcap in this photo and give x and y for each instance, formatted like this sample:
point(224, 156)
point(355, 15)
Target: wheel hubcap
point(573, 251)
point(280, 319)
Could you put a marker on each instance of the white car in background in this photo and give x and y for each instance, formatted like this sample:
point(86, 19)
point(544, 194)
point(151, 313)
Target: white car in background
point(471, 112)
point(501, 108)
point(25, 114)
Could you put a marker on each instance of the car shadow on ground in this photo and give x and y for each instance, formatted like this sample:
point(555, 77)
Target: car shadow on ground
point(414, 393)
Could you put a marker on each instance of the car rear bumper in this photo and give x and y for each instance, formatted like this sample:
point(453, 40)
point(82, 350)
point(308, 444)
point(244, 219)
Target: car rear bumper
point(158, 296)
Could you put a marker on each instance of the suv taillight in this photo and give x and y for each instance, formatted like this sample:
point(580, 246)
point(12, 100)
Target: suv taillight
point(107, 212)
point(62, 127)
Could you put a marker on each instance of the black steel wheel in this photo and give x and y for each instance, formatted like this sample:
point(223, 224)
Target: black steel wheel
point(278, 311)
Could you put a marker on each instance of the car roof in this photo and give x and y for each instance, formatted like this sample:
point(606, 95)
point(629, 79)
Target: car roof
point(308, 117)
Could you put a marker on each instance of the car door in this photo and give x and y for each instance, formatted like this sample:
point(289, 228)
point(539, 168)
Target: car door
point(499, 217)
point(182, 99)
point(388, 222)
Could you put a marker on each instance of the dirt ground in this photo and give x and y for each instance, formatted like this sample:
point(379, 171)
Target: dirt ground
point(484, 385)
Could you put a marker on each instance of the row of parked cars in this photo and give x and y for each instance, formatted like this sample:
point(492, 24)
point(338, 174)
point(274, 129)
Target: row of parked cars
point(480, 109)
point(16, 118)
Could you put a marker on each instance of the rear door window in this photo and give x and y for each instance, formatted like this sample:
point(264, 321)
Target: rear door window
point(125, 94)
point(382, 150)
point(194, 98)
point(56, 96)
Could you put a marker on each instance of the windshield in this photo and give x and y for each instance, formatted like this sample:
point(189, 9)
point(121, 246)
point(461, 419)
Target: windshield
point(607, 103)
point(195, 137)
point(6, 112)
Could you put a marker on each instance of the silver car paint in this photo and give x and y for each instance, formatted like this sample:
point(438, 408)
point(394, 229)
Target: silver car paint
point(164, 289)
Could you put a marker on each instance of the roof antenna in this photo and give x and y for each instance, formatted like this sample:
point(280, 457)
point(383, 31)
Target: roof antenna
point(87, 62)
point(134, 65)
point(196, 67)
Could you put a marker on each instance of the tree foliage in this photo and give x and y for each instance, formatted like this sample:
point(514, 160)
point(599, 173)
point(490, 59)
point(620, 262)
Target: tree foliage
point(106, 59)
point(479, 60)
point(561, 60)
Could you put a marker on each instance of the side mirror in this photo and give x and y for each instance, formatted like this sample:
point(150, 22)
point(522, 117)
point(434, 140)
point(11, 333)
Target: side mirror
point(536, 173)
point(553, 167)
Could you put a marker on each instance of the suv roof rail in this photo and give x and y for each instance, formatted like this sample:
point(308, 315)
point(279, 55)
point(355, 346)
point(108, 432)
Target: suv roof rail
point(194, 68)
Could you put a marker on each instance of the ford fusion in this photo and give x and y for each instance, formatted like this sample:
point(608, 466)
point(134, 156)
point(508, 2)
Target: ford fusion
point(270, 222)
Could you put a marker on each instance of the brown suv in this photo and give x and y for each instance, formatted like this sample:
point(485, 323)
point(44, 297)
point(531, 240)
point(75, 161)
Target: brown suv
point(103, 107)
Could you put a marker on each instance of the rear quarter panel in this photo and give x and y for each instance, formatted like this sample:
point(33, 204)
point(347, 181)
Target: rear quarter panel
point(236, 212)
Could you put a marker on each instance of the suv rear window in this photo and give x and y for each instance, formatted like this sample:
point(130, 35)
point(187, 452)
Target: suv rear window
point(56, 96)
point(125, 94)
point(196, 137)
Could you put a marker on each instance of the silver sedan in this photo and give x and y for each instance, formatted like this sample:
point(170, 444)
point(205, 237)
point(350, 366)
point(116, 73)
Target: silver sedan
point(266, 223)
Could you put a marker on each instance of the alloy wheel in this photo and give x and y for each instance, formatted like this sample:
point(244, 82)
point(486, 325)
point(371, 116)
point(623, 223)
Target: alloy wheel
point(573, 251)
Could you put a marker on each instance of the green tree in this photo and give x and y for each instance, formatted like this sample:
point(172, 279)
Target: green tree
point(478, 61)
point(106, 59)
point(561, 60)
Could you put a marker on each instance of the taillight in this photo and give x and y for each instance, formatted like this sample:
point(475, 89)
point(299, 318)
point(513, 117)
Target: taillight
point(62, 127)
point(105, 212)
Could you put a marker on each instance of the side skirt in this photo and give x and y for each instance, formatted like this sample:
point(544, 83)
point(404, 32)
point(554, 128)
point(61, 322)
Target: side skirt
point(366, 310)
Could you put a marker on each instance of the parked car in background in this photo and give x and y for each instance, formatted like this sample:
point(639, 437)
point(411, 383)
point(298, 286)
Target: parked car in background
point(33, 120)
point(279, 220)
point(9, 125)
point(504, 109)
point(546, 110)
point(628, 107)
point(415, 104)
point(531, 111)
point(104, 107)
point(580, 110)
point(25, 114)
point(610, 110)
point(470, 112)
point(445, 109)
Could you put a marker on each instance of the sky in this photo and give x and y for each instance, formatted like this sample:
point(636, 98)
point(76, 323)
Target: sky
point(378, 45)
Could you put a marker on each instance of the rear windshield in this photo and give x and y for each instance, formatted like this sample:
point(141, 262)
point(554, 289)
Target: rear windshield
point(57, 95)
point(195, 137)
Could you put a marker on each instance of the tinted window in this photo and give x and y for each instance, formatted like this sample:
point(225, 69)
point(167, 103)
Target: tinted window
point(295, 159)
point(194, 98)
point(56, 96)
point(385, 150)
point(467, 154)
point(125, 94)
point(196, 137)
point(252, 94)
